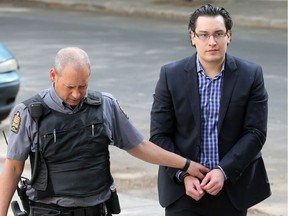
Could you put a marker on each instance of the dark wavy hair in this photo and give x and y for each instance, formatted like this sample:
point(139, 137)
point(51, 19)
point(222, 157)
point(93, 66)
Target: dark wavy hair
point(209, 10)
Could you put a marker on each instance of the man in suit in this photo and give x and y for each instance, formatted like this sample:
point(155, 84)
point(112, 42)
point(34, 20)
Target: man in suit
point(211, 108)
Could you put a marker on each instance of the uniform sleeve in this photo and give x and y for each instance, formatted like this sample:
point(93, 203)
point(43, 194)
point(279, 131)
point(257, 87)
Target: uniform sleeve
point(20, 134)
point(121, 129)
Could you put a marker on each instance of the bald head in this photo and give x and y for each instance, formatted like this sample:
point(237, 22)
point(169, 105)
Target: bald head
point(70, 75)
point(73, 56)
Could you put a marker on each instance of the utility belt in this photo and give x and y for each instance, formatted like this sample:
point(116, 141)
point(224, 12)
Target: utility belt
point(40, 209)
point(31, 208)
point(109, 207)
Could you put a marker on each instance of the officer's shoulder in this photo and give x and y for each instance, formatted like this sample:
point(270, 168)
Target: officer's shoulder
point(23, 106)
point(107, 96)
point(20, 107)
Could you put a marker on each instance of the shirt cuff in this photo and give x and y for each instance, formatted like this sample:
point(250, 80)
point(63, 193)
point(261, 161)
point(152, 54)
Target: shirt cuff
point(178, 175)
point(222, 171)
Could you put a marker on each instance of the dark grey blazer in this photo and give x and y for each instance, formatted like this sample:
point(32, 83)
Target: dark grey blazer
point(242, 126)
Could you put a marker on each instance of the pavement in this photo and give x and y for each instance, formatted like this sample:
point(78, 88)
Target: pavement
point(254, 13)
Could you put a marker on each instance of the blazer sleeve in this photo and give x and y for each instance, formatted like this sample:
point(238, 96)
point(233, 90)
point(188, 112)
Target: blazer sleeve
point(162, 123)
point(251, 114)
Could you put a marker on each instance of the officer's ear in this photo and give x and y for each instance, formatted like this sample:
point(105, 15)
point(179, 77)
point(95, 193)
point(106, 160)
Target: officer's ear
point(53, 75)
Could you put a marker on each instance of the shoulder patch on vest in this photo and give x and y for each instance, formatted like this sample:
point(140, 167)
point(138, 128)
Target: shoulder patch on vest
point(122, 110)
point(16, 122)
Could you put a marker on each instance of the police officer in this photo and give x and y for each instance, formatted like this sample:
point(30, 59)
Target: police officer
point(66, 131)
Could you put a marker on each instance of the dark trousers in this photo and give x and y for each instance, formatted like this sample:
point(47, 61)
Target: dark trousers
point(208, 205)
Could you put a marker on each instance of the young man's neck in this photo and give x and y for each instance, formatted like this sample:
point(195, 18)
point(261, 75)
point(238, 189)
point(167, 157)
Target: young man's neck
point(212, 69)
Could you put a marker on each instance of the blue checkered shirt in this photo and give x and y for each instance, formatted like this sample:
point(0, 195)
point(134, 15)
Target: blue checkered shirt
point(210, 94)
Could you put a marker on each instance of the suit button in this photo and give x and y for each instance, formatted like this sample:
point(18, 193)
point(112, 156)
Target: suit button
point(237, 173)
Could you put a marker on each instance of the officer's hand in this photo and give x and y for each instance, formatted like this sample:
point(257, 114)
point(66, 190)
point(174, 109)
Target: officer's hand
point(193, 188)
point(197, 170)
point(213, 182)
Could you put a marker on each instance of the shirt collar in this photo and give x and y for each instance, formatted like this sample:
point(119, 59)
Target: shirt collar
point(59, 102)
point(201, 70)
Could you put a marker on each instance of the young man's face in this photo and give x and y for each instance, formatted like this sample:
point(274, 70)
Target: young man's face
point(70, 84)
point(210, 39)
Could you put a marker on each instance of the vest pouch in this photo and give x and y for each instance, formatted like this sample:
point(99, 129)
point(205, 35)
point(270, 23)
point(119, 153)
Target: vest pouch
point(42, 175)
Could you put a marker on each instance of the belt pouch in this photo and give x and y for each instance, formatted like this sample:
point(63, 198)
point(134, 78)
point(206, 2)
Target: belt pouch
point(112, 204)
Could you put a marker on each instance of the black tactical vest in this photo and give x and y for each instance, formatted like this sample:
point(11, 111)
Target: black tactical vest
point(74, 156)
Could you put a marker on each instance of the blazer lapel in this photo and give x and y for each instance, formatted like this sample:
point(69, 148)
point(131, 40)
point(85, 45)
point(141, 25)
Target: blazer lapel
point(230, 77)
point(192, 89)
